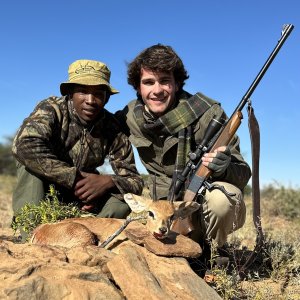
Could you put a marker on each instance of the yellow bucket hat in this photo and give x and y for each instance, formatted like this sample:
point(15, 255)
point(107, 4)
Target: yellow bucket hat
point(87, 72)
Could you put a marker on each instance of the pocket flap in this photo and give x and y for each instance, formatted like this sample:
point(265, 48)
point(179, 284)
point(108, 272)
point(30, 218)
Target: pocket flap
point(139, 141)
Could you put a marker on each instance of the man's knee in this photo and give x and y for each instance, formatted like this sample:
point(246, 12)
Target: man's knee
point(114, 208)
point(226, 213)
point(29, 189)
point(224, 206)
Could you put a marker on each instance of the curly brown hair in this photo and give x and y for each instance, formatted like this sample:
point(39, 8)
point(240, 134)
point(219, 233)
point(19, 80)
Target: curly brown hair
point(157, 58)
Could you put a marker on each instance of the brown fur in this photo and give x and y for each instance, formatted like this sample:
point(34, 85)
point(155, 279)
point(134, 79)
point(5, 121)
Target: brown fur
point(89, 231)
point(58, 234)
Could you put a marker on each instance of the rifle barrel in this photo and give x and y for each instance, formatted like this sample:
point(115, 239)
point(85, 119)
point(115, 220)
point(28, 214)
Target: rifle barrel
point(285, 33)
point(231, 125)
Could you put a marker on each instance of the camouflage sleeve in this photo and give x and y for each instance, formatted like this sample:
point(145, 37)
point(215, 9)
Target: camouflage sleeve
point(120, 115)
point(121, 157)
point(33, 143)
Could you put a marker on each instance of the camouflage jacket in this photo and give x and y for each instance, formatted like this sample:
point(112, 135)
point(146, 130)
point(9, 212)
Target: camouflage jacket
point(53, 144)
point(158, 152)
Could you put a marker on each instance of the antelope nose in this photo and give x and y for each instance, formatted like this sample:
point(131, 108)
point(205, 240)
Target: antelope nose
point(163, 230)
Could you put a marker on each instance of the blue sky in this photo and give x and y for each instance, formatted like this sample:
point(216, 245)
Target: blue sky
point(223, 45)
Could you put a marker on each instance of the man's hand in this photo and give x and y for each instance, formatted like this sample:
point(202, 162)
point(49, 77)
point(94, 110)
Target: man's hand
point(218, 160)
point(91, 186)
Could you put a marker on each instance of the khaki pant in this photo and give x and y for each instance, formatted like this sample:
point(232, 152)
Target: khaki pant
point(219, 215)
point(31, 189)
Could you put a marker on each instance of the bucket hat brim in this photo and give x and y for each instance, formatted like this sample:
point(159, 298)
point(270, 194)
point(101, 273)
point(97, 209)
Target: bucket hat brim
point(87, 72)
point(66, 87)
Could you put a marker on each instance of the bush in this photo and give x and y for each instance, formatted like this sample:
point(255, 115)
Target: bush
point(7, 161)
point(282, 256)
point(49, 210)
point(282, 201)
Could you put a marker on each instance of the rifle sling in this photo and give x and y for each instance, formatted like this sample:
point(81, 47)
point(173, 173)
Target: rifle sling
point(255, 149)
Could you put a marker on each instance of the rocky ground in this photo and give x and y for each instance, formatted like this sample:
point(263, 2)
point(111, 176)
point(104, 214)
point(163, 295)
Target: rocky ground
point(29, 271)
point(133, 271)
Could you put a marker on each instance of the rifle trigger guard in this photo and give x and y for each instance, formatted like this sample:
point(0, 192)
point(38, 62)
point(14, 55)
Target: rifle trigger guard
point(210, 187)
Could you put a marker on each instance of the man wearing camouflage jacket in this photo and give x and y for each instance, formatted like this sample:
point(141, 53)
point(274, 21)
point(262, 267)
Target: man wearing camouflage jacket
point(65, 139)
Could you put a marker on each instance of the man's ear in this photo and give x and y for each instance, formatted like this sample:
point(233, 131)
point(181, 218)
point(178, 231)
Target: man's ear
point(137, 203)
point(184, 209)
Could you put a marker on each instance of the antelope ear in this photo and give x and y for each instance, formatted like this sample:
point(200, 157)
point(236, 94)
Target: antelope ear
point(137, 203)
point(185, 208)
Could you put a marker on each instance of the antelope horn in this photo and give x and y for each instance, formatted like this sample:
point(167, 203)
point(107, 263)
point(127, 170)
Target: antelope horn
point(154, 188)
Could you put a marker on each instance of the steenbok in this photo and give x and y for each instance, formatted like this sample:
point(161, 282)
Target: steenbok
point(90, 231)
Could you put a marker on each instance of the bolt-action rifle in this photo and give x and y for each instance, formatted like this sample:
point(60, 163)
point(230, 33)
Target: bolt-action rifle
point(219, 133)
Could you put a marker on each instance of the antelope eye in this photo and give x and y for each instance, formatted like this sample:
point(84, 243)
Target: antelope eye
point(172, 218)
point(150, 214)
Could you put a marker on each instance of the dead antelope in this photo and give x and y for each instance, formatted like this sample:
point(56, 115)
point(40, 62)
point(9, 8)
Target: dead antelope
point(89, 231)
point(161, 213)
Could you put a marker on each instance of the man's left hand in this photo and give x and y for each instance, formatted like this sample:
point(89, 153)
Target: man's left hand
point(217, 161)
point(91, 186)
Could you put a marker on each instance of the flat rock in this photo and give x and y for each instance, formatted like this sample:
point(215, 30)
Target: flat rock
point(144, 275)
point(174, 245)
point(29, 271)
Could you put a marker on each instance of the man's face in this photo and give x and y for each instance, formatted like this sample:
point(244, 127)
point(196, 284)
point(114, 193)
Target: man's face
point(157, 91)
point(88, 101)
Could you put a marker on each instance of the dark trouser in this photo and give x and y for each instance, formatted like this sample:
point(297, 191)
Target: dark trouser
point(31, 189)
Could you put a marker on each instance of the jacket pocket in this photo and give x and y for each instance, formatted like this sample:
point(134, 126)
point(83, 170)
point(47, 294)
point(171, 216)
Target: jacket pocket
point(139, 141)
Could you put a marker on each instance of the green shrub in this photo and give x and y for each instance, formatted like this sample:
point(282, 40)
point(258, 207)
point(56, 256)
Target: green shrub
point(247, 190)
point(282, 201)
point(7, 161)
point(282, 257)
point(49, 210)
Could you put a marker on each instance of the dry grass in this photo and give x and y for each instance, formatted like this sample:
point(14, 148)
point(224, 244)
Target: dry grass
point(275, 274)
point(6, 187)
point(7, 184)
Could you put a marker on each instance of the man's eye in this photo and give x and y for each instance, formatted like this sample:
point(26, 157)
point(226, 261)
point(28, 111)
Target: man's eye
point(80, 91)
point(148, 82)
point(150, 214)
point(100, 95)
point(165, 81)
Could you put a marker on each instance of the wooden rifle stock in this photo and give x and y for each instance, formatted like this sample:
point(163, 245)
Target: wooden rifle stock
point(223, 139)
point(184, 226)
